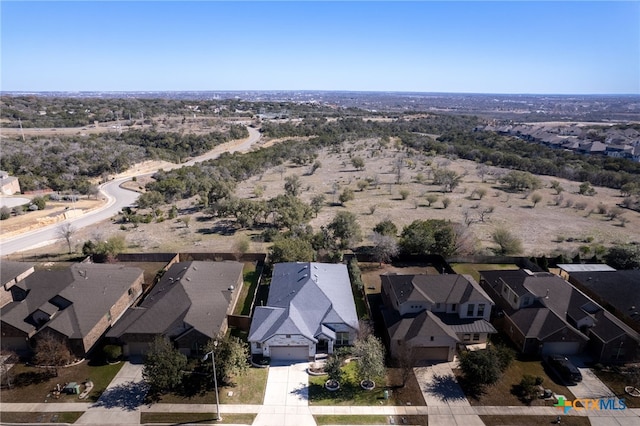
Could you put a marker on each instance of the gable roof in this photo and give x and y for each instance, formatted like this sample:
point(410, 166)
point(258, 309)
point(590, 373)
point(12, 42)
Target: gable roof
point(197, 293)
point(304, 297)
point(76, 298)
point(424, 324)
point(10, 271)
point(446, 288)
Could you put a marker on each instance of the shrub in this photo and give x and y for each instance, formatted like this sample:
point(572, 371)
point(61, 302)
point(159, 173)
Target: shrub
point(112, 352)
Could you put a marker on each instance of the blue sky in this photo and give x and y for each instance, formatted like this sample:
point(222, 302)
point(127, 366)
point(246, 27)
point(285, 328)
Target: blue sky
point(479, 47)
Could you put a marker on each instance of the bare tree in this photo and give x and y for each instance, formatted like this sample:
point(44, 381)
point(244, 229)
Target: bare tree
point(385, 247)
point(66, 231)
point(52, 352)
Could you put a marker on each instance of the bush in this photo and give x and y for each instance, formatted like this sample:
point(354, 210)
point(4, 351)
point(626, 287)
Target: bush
point(112, 352)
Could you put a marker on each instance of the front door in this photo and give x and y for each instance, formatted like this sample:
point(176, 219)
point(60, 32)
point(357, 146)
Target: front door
point(322, 346)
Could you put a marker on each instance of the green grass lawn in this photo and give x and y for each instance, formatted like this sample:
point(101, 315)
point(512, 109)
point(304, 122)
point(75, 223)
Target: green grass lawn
point(350, 392)
point(48, 417)
point(250, 281)
point(248, 389)
point(206, 418)
point(474, 268)
point(616, 382)
point(534, 420)
point(351, 420)
point(504, 391)
point(35, 384)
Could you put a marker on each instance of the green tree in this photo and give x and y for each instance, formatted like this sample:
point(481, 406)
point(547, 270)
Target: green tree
point(163, 366)
point(536, 198)
point(40, 202)
point(386, 227)
point(358, 163)
point(151, 200)
point(292, 185)
point(431, 198)
point(626, 256)
point(587, 189)
point(346, 195)
point(291, 250)
point(317, 202)
point(430, 236)
point(508, 243)
point(521, 181)
point(370, 354)
point(333, 367)
point(447, 178)
point(231, 356)
point(556, 186)
point(484, 367)
point(345, 229)
point(288, 211)
point(5, 213)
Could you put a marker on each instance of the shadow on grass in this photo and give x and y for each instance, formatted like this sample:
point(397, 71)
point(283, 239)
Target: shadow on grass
point(127, 396)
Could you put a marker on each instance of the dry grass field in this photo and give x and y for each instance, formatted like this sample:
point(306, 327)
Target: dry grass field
point(545, 228)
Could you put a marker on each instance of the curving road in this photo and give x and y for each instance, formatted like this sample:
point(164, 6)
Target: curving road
point(117, 199)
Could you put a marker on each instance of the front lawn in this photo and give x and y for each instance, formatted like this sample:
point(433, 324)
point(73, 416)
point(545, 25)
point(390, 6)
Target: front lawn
point(616, 382)
point(505, 391)
point(248, 389)
point(350, 392)
point(34, 417)
point(534, 420)
point(352, 420)
point(36, 384)
point(206, 418)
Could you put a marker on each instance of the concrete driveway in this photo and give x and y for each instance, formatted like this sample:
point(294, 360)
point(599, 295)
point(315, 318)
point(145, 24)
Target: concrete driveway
point(442, 392)
point(120, 403)
point(286, 400)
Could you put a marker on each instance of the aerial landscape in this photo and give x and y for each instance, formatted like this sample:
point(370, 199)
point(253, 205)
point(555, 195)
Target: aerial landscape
point(320, 213)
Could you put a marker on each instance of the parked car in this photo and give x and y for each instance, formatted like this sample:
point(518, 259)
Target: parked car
point(564, 369)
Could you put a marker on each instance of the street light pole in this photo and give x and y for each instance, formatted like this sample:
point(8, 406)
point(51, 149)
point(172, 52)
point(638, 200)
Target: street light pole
point(215, 378)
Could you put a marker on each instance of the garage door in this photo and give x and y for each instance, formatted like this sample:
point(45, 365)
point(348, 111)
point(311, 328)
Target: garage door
point(563, 348)
point(136, 348)
point(289, 353)
point(437, 353)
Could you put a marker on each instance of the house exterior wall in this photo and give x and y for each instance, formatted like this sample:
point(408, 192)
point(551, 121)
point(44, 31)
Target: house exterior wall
point(398, 346)
point(10, 185)
point(413, 307)
point(468, 338)
point(191, 342)
point(464, 310)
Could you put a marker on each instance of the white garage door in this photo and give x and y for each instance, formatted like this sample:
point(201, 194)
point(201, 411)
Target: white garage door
point(289, 353)
point(563, 348)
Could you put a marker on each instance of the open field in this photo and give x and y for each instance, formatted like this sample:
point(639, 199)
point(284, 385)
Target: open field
point(545, 228)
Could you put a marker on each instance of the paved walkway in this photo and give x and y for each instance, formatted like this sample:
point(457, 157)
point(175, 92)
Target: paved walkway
point(286, 399)
point(286, 403)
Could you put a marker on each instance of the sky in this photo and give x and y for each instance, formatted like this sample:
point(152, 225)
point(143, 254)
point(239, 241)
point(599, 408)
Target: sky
point(538, 47)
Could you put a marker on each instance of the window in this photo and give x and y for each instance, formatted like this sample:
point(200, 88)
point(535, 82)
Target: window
point(454, 307)
point(109, 316)
point(342, 338)
point(481, 310)
point(504, 289)
point(438, 306)
point(130, 291)
point(466, 337)
point(476, 337)
point(288, 336)
point(515, 299)
point(431, 339)
point(470, 310)
point(258, 345)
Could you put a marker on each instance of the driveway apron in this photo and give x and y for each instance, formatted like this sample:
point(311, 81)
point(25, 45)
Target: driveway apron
point(286, 400)
point(441, 393)
point(120, 403)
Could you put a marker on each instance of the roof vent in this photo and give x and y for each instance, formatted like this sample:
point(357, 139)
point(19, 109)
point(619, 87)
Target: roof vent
point(546, 296)
point(231, 288)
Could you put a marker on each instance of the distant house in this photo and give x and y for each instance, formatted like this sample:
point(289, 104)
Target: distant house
point(432, 314)
point(77, 305)
point(9, 185)
point(310, 310)
point(545, 314)
point(617, 291)
point(189, 306)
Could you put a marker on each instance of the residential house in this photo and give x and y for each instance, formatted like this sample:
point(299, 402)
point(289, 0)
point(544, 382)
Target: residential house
point(189, 306)
point(432, 314)
point(9, 185)
point(545, 314)
point(310, 310)
point(616, 291)
point(12, 273)
point(77, 305)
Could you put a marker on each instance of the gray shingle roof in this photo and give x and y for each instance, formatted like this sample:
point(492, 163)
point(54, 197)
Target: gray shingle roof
point(9, 270)
point(302, 298)
point(447, 288)
point(426, 323)
point(196, 293)
point(91, 290)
